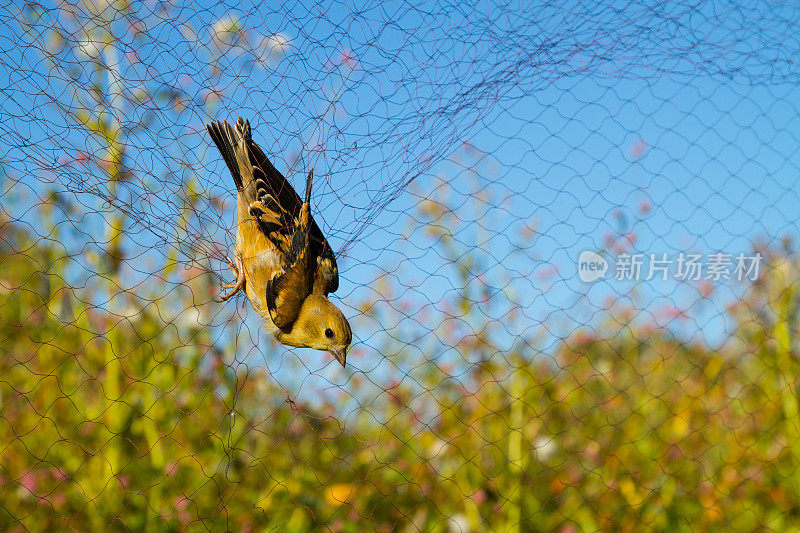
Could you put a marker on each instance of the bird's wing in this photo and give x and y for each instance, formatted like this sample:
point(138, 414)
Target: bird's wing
point(277, 205)
point(275, 183)
point(326, 276)
point(326, 279)
point(288, 288)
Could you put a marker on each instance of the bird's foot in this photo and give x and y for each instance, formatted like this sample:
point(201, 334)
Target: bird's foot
point(238, 272)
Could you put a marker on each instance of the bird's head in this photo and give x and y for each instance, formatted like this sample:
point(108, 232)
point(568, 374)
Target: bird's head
point(322, 326)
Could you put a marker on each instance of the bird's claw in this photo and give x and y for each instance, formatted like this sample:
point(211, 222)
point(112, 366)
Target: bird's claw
point(238, 272)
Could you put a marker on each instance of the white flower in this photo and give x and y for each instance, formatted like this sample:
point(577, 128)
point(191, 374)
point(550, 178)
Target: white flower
point(438, 446)
point(129, 311)
point(544, 447)
point(458, 523)
point(272, 47)
point(604, 366)
point(225, 26)
point(90, 48)
point(189, 319)
point(116, 5)
point(189, 35)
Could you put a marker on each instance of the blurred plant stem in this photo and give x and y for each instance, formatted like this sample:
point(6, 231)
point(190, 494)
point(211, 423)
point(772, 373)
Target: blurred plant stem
point(517, 457)
point(115, 232)
point(785, 299)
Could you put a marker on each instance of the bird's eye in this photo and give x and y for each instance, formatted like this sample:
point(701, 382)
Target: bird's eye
point(329, 333)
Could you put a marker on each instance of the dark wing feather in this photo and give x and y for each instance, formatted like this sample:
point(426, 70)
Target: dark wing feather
point(226, 140)
point(327, 273)
point(326, 279)
point(277, 185)
point(288, 289)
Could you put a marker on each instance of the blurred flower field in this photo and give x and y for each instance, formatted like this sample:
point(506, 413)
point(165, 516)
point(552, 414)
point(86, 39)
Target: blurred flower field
point(130, 422)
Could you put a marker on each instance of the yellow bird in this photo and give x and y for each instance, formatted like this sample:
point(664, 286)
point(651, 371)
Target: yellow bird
point(282, 261)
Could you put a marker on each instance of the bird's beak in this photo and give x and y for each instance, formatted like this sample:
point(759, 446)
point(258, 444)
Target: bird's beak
point(340, 353)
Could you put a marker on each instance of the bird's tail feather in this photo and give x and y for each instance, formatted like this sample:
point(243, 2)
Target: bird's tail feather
point(226, 139)
point(309, 181)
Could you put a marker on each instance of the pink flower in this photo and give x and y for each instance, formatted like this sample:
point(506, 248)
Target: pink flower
point(58, 474)
point(674, 312)
point(346, 59)
point(705, 288)
point(547, 272)
point(28, 481)
point(638, 149)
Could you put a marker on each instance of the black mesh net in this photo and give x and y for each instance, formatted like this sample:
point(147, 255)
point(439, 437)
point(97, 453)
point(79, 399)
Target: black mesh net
point(566, 239)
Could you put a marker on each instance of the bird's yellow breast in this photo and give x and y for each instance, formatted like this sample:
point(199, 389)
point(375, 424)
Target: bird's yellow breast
point(260, 260)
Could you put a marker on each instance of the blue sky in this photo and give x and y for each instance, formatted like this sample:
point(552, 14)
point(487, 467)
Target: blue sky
point(558, 99)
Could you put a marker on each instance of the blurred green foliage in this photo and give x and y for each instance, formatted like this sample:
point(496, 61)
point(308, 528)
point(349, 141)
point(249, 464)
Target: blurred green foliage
point(130, 420)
